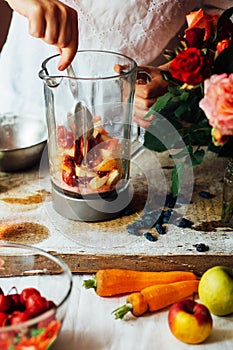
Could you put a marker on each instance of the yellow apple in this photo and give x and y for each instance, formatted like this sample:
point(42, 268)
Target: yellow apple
point(216, 290)
point(190, 321)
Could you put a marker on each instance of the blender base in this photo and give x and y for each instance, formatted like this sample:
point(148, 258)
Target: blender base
point(91, 210)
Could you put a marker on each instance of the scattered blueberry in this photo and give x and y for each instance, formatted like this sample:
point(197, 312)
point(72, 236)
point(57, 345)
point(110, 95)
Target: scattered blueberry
point(165, 219)
point(159, 219)
point(202, 247)
point(168, 212)
point(170, 216)
point(206, 194)
point(170, 201)
point(160, 228)
point(185, 223)
point(150, 237)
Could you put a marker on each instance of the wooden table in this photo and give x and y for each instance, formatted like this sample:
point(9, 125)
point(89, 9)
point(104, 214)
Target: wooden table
point(27, 216)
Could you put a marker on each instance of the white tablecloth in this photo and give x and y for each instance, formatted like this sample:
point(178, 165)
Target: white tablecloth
point(89, 325)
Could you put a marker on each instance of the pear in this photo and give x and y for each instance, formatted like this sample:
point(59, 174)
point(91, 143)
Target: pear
point(84, 172)
point(107, 164)
point(113, 177)
point(216, 290)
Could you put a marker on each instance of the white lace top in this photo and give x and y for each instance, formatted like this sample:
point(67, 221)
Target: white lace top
point(139, 28)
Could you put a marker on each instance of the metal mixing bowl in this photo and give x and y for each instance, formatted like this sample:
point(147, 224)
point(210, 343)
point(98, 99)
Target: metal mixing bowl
point(22, 141)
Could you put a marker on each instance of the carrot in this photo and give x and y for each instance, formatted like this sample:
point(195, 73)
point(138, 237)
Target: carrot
point(112, 282)
point(156, 297)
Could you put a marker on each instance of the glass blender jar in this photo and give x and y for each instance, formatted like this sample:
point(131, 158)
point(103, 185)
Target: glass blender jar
point(89, 115)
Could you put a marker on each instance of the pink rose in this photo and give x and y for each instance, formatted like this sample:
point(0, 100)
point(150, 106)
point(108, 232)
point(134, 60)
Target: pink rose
point(217, 102)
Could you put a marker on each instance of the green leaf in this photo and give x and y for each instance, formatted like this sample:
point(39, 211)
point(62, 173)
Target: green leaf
point(177, 177)
point(184, 95)
point(182, 110)
point(197, 133)
point(182, 153)
point(175, 90)
point(37, 331)
point(224, 17)
point(161, 102)
point(169, 54)
point(197, 157)
point(224, 62)
point(161, 135)
point(153, 143)
point(173, 95)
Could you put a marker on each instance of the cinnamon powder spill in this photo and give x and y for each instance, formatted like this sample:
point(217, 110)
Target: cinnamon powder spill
point(32, 199)
point(23, 232)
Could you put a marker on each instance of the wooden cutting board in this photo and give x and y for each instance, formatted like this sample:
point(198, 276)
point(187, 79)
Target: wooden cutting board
point(27, 216)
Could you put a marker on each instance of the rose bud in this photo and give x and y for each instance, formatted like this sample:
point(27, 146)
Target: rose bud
point(217, 138)
point(222, 45)
point(194, 37)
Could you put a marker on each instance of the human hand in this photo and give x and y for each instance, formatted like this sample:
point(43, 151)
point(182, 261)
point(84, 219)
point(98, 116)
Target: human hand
point(53, 22)
point(146, 94)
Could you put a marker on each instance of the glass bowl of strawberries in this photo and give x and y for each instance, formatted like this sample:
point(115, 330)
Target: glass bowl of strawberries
point(35, 289)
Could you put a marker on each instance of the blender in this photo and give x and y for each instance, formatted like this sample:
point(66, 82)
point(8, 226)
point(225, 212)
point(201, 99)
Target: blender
point(89, 118)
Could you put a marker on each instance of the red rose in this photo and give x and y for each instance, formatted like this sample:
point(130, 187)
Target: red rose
point(208, 22)
point(190, 66)
point(194, 37)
